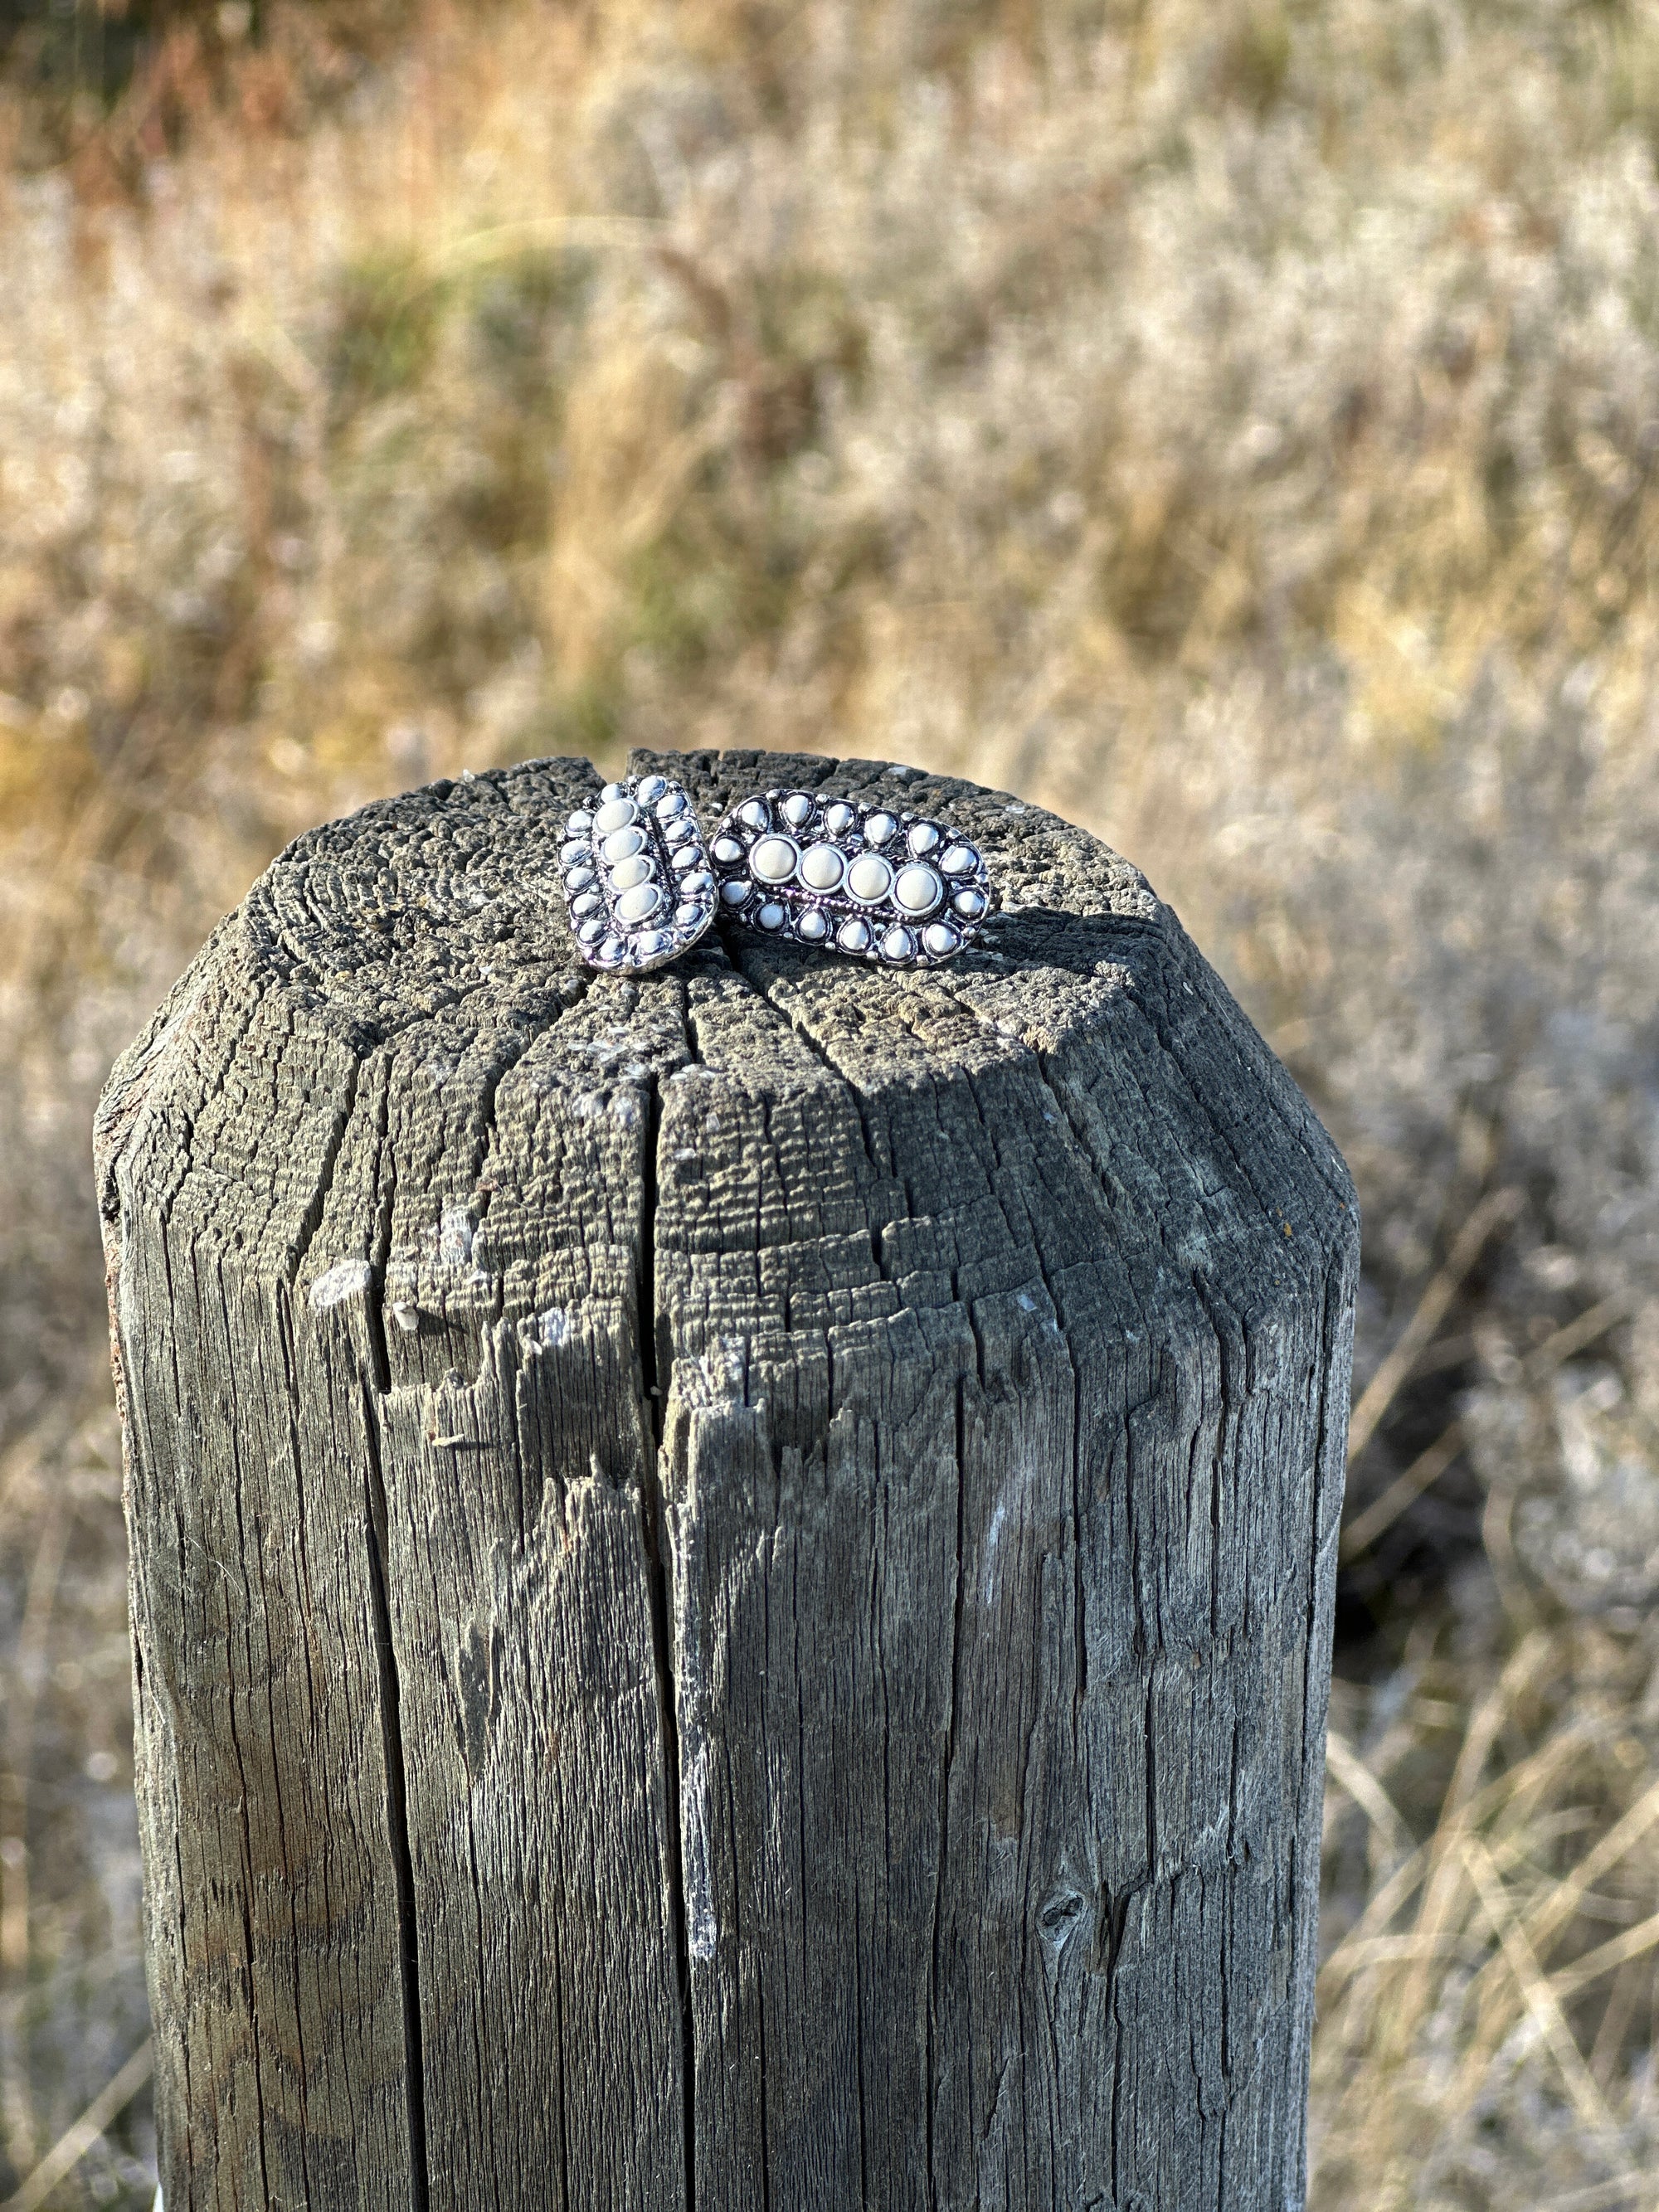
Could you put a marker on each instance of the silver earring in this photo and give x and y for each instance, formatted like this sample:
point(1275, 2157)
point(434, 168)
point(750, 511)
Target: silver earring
point(833, 874)
point(636, 879)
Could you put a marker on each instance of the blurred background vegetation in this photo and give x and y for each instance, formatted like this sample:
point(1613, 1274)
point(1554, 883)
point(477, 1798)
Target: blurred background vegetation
point(1233, 422)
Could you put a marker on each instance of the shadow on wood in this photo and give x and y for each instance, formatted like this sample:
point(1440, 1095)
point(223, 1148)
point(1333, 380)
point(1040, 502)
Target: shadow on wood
point(732, 1571)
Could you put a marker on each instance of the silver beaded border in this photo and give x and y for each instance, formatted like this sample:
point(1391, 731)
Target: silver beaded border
point(645, 819)
point(817, 905)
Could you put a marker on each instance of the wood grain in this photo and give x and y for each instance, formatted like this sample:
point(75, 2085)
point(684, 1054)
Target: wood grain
point(732, 1571)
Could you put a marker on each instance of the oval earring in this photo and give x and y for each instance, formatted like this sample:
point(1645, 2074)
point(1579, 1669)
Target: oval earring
point(834, 875)
point(636, 879)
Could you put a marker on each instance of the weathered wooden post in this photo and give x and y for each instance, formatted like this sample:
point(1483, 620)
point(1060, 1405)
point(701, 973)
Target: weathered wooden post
point(732, 1572)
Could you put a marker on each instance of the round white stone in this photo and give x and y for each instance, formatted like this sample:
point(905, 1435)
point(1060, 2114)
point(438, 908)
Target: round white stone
point(959, 860)
point(578, 879)
point(669, 807)
point(687, 857)
point(812, 926)
point(923, 837)
point(640, 903)
point(735, 892)
point(854, 936)
point(699, 885)
point(579, 824)
point(770, 916)
point(727, 851)
point(774, 859)
point(970, 904)
point(688, 915)
point(879, 827)
point(821, 867)
point(637, 869)
point(589, 902)
point(757, 813)
point(917, 889)
point(651, 943)
point(591, 931)
point(678, 832)
point(940, 938)
point(650, 788)
point(897, 944)
point(870, 878)
point(797, 810)
point(610, 950)
point(613, 791)
point(839, 818)
point(623, 844)
point(574, 851)
point(617, 814)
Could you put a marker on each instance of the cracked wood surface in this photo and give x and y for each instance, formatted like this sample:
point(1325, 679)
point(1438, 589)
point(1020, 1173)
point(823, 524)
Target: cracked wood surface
point(732, 1571)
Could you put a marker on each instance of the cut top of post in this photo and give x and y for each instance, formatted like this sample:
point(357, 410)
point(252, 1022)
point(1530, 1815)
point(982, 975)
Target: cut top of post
point(389, 1071)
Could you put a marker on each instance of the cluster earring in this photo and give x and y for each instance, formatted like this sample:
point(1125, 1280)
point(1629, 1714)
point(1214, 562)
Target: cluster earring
point(636, 879)
point(826, 874)
point(896, 888)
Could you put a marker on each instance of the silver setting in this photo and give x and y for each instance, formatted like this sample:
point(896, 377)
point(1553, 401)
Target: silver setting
point(774, 860)
point(870, 879)
point(637, 880)
point(898, 889)
point(918, 890)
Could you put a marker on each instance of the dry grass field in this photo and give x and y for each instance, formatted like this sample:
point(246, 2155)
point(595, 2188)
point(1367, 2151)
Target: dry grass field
point(1234, 422)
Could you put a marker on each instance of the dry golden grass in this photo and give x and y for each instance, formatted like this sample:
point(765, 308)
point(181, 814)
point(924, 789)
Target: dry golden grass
point(1235, 425)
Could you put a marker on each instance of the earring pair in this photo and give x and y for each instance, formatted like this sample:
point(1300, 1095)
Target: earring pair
point(824, 874)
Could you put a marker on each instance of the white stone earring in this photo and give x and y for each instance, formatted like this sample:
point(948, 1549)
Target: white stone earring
point(832, 874)
point(636, 879)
